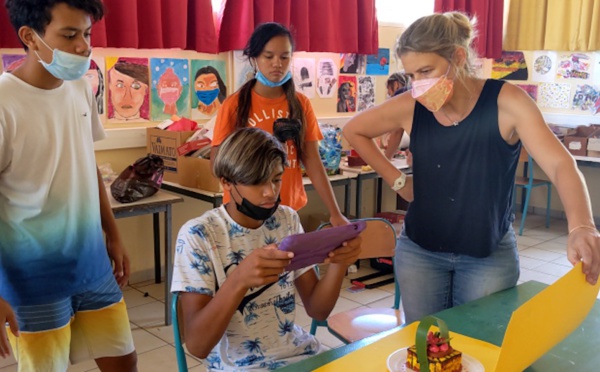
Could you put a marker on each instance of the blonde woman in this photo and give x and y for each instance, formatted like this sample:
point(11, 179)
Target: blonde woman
point(466, 134)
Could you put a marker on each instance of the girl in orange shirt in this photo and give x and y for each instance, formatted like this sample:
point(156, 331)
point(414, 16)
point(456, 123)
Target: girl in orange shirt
point(269, 96)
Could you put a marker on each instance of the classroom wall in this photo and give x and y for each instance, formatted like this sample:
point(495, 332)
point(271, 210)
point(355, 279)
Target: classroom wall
point(126, 143)
point(571, 117)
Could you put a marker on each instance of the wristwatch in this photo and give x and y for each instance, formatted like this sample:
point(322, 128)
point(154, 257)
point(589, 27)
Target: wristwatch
point(399, 182)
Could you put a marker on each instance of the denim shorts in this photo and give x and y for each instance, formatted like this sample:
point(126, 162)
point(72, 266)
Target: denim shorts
point(433, 281)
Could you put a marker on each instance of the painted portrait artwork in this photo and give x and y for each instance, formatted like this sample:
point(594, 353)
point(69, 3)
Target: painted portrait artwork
point(170, 88)
point(209, 87)
point(128, 94)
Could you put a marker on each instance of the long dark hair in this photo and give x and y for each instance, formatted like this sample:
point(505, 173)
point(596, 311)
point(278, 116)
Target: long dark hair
point(259, 38)
point(211, 70)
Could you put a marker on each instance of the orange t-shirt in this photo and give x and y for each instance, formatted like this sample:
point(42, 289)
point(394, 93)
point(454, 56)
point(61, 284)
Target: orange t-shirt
point(263, 112)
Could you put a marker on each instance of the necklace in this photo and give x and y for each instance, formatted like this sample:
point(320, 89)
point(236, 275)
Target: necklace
point(462, 117)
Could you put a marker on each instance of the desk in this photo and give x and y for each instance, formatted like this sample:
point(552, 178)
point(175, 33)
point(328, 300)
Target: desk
point(216, 198)
point(212, 197)
point(155, 204)
point(365, 175)
point(486, 319)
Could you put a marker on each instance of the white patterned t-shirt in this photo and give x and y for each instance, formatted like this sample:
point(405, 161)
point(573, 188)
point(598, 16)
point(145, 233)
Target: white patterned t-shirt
point(262, 333)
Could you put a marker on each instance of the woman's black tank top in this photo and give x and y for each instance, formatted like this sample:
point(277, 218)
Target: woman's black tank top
point(463, 180)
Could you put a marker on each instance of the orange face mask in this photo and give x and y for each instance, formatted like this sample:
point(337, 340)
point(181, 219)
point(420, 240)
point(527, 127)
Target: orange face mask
point(433, 93)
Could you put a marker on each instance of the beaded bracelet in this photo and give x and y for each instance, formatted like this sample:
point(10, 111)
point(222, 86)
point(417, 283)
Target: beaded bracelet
point(583, 227)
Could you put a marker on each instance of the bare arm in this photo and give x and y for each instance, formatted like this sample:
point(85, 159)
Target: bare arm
point(519, 113)
point(319, 296)
point(394, 143)
point(316, 172)
point(114, 245)
point(206, 318)
point(394, 114)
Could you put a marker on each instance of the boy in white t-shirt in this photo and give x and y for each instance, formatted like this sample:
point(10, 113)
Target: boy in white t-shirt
point(238, 302)
point(58, 291)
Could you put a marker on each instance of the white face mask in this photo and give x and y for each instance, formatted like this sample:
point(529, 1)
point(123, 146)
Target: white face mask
point(65, 66)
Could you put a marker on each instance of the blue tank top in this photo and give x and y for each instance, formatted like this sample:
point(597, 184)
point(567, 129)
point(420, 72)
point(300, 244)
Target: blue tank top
point(463, 180)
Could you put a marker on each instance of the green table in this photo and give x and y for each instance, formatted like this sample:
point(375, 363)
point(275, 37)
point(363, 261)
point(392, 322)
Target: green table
point(486, 319)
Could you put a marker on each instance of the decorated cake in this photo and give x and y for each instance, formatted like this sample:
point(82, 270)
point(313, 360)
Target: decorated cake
point(433, 353)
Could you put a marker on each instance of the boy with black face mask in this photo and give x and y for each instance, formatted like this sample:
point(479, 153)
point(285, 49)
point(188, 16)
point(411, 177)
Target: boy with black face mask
point(237, 299)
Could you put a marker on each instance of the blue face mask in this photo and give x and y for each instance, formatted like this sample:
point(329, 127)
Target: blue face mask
point(65, 66)
point(264, 81)
point(207, 96)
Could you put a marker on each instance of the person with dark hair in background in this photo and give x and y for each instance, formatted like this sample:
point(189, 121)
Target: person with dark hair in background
point(272, 95)
point(59, 286)
point(237, 299)
point(466, 136)
point(396, 84)
point(210, 90)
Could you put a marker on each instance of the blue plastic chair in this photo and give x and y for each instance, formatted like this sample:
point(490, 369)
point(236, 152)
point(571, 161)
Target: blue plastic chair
point(178, 333)
point(528, 183)
point(378, 240)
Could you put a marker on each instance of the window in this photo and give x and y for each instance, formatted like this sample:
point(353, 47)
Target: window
point(402, 12)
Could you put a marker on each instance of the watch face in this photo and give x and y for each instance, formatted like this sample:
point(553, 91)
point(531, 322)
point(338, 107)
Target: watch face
point(399, 183)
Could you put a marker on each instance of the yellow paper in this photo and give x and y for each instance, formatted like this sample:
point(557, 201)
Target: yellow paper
point(545, 320)
point(374, 357)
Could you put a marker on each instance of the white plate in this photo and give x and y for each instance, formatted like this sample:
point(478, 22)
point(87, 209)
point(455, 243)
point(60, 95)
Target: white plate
point(396, 362)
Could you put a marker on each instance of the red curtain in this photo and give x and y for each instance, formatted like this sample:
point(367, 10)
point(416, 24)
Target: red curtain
point(160, 24)
point(8, 36)
point(318, 26)
point(348, 26)
point(489, 22)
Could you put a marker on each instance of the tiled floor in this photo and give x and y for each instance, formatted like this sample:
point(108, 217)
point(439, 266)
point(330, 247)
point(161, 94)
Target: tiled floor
point(542, 253)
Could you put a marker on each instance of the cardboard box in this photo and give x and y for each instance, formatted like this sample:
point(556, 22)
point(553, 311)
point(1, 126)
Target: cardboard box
point(593, 147)
point(576, 140)
point(165, 143)
point(593, 154)
point(196, 172)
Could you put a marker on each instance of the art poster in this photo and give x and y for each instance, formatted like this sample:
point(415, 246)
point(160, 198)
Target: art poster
point(544, 66)
point(596, 69)
point(379, 64)
point(554, 95)
point(128, 94)
point(352, 63)
point(242, 70)
point(574, 66)
point(12, 61)
point(303, 71)
point(587, 98)
point(326, 78)
point(95, 77)
point(347, 93)
point(510, 66)
point(366, 92)
point(530, 89)
point(170, 89)
point(209, 87)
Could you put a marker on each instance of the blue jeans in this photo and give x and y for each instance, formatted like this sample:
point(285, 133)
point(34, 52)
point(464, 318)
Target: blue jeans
point(431, 281)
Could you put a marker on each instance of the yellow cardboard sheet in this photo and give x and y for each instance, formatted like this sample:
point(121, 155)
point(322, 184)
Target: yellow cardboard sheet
point(545, 320)
point(534, 328)
point(374, 357)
